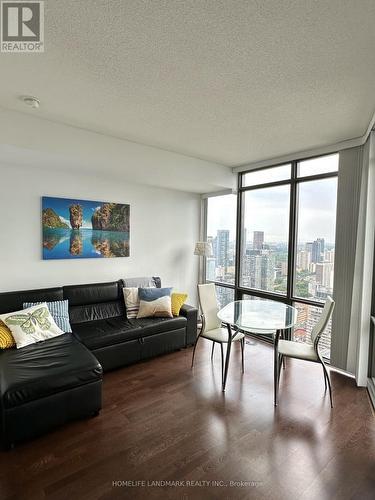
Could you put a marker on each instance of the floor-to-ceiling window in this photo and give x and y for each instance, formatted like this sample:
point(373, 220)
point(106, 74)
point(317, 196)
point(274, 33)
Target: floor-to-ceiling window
point(221, 232)
point(283, 247)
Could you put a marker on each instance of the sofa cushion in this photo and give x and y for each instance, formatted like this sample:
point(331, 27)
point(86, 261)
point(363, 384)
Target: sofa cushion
point(13, 301)
point(45, 368)
point(93, 293)
point(104, 333)
point(93, 302)
point(151, 326)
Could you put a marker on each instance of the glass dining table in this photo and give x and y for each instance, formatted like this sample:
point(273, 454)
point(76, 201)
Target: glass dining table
point(258, 317)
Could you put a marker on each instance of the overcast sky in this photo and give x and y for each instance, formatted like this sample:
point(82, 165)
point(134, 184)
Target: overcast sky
point(268, 210)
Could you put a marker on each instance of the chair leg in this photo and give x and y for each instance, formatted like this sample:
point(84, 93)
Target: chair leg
point(276, 375)
point(212, 352)
point(243, 354)
point(283, 335)
point(281, 362)
point(229, 346)
point(325, 379)
point(222, 363)
point(329, 383)
point(195, 346)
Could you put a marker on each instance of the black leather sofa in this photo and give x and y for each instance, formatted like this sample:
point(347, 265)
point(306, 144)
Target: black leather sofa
point(52, 382)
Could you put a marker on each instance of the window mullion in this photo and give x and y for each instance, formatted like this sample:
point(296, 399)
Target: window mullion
point(292, 232)
point(239, 233)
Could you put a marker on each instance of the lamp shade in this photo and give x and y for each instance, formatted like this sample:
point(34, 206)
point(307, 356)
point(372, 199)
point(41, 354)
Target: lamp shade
point(203, 249)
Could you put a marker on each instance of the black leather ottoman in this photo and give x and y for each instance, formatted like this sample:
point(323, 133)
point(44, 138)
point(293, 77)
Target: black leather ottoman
point(45, 385)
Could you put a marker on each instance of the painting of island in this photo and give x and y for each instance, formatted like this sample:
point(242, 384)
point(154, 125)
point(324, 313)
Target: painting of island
point(81, 229)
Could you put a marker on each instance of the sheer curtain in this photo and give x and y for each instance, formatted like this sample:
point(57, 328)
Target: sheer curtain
point(354, 260)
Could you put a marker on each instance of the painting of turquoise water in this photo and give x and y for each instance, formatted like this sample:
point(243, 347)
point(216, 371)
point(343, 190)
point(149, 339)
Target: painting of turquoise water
point(82, 229)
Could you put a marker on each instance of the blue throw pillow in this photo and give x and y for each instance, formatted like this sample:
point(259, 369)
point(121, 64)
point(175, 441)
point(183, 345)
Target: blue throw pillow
point(59, 311)
point(150, 294)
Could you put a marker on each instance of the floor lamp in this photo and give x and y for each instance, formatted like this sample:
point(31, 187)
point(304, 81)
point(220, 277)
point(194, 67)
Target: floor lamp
point(202, 249)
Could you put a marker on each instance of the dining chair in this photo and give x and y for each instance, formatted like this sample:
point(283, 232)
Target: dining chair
point(298, 350)
point(212, 328)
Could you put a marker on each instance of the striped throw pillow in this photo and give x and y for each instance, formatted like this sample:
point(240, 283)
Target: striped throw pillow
point(59, 311)
point(131, 301)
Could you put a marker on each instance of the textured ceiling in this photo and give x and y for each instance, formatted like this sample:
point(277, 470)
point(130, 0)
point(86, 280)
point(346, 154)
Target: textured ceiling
point(230, 81)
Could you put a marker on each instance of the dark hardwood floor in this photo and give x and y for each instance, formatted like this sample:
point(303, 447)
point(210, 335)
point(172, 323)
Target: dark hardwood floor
point(162, 421)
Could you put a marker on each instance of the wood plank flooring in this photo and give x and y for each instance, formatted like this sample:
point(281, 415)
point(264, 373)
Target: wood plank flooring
point(162, 421)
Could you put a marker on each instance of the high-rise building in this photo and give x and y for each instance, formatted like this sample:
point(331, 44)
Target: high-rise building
point(224, 295)
point(244, 240)
point(317, 252)
point(324, 274)
point(258, 240)
point(284, 268)
point(258, 271)
point(303, 260)
point(329, 255)
point(211, 269)
point(222, 248)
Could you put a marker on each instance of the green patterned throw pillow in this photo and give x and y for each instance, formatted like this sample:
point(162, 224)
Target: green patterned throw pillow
point(31, 325)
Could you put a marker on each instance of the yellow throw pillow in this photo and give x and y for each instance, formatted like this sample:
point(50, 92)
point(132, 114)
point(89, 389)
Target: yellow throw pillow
point(178, 300)
point(6, 337)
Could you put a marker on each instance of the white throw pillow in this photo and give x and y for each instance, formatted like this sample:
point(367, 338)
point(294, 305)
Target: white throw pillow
point(31, 325)
point(159, 308)
point(131, 301)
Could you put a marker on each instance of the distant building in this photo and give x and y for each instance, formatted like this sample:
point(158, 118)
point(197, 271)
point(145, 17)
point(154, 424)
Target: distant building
point(258, 240)
point(211, 269)
point(222, 248)
point(309, 247)
point(244, 240)
point(303, 260)
point(324, 274)
point(317, 251)
point(329, 255)
point(258, 270)
point(224, 295)
point(284, 268)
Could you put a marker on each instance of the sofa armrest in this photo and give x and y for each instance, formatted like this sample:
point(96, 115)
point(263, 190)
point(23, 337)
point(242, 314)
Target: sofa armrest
point(191, 314)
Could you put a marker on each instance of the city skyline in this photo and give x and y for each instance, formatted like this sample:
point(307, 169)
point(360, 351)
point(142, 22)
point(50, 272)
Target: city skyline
point(264, 266)
point(269, 208)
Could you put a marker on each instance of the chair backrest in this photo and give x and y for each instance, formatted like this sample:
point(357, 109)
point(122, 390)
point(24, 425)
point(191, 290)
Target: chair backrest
point(209, 307)
point(320, 326)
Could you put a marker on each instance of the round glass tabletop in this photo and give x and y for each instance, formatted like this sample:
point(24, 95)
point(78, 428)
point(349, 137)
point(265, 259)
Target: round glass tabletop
point(259, 316)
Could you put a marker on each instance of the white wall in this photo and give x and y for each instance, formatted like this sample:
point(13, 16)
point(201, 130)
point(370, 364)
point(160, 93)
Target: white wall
point(30, 141)
point(164, 227)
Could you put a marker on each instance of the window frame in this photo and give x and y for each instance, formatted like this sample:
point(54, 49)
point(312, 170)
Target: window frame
point(204, 267)
point(240, 228)
point(294, 181)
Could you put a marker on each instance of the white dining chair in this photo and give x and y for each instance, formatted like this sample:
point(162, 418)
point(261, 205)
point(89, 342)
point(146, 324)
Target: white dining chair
point(212, 328)
point(298, 350)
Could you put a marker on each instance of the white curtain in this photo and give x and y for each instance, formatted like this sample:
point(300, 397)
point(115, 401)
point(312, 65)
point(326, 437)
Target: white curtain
point(354, 252)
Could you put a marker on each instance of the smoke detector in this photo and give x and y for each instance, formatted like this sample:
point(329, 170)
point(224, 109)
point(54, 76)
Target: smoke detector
point(31, 102)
